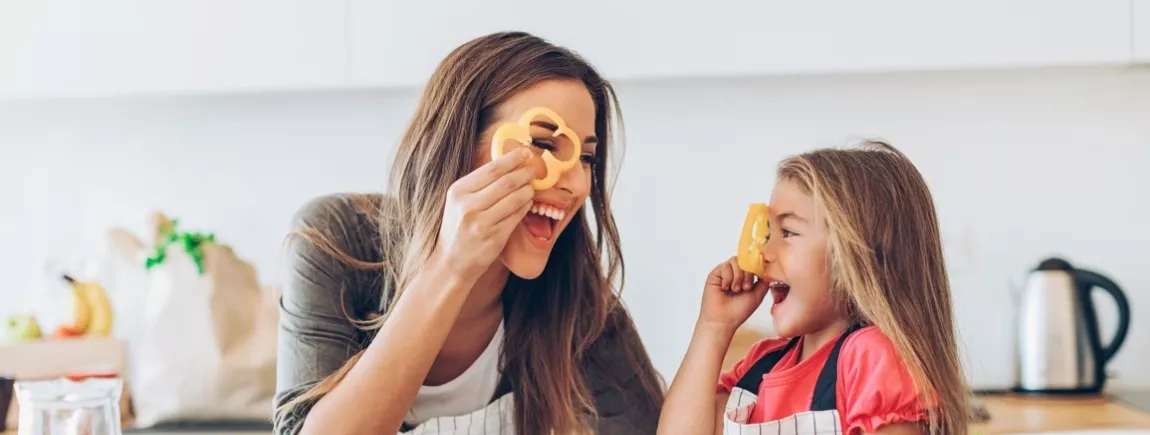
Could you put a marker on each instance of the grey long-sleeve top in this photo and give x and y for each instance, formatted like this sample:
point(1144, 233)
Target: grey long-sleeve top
point(315, 337)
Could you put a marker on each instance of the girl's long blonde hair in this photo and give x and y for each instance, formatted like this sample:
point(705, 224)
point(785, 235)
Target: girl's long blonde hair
point(887, 264)
point(552, 322)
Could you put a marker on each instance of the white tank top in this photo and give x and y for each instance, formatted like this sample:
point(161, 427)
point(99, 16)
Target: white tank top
point(471, 391)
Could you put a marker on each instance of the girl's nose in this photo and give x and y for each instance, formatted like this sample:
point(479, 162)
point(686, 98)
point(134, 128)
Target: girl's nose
point(768, 251)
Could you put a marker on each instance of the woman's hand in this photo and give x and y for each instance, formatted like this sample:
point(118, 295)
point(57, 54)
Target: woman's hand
point(730, 296)
point(482, 210)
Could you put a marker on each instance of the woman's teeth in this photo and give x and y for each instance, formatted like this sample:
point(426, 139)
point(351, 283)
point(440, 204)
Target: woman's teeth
point(548, 211)
point(778, 285)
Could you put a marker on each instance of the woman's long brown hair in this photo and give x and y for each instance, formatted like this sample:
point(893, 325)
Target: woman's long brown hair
point(552, 321)
point(887, 264)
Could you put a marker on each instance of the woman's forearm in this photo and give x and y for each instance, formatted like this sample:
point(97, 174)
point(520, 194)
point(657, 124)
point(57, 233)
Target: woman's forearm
point(690, 405)
point(393, 367)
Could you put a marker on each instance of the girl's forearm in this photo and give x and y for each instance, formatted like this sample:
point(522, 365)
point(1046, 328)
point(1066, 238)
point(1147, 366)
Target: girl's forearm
point(394, 365)
point(690, 405)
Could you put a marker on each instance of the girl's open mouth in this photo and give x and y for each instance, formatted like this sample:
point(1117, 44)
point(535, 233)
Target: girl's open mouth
point(779, 290)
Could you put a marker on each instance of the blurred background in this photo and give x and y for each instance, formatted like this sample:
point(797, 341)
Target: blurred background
point(1030, 120)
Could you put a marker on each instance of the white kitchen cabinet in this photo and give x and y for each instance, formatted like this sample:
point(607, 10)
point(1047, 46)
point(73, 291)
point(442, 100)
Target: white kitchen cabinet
point(1141, 24)
point(117, 47)
point(399, 42)
point(125, 47)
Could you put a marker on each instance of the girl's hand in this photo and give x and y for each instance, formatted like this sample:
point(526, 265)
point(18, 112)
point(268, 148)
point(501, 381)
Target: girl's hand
point(730, 296)
point(481, 211)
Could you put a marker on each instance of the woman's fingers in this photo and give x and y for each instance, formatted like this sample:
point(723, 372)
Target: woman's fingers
point(512, 206)
point(491, 171)
point(505, 187)
point(512, 220)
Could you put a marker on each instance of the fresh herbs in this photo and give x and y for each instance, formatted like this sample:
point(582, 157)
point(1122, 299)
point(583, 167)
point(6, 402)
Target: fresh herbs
point(191, 242)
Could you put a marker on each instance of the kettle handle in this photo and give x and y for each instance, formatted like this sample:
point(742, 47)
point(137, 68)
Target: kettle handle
point(1091, 280)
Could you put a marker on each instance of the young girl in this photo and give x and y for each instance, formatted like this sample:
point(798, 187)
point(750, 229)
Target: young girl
point(854, 265)
point(466, 299)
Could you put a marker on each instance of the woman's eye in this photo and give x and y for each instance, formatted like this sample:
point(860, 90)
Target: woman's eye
point(543, 144)
point(788, 233)
point(588, 158)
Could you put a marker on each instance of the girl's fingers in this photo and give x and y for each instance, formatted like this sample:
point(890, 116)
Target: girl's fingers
point(760, 290)
point(726, 276)
point(738, 283)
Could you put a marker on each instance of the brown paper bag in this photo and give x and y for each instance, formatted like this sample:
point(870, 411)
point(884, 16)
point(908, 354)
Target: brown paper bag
point(207, 347)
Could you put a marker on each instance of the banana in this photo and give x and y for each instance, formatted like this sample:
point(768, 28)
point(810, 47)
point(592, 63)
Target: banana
point(99, 307)
point(81, 311)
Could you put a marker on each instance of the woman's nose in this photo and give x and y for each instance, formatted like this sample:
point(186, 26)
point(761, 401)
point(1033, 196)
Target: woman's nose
point(574, 181)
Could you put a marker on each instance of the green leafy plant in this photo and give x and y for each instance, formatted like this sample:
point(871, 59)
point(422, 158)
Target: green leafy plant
point(191, 242)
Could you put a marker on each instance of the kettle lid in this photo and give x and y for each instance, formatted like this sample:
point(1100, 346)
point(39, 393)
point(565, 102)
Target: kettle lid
point(1054, 263)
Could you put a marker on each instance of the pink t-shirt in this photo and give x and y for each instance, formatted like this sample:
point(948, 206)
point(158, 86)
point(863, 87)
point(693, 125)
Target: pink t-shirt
point(874, 387)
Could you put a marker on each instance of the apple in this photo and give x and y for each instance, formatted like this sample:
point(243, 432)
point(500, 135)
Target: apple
point(19, 328)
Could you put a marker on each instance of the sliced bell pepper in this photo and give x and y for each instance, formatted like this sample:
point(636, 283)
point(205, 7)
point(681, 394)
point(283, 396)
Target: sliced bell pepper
point(756, 232)
point(520, 131)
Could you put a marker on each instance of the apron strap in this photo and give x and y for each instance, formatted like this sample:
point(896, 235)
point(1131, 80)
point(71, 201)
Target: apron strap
point(824, 398)
point(751, 380)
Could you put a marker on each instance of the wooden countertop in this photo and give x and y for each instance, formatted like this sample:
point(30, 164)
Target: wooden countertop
point(1008, 415)
point(1016, 414)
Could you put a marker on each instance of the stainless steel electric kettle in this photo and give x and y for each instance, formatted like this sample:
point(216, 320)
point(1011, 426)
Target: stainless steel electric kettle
point(1060, 348)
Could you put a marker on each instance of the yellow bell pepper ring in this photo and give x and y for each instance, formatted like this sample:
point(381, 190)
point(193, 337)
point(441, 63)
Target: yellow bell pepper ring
point(756, 231)
point(520, 131)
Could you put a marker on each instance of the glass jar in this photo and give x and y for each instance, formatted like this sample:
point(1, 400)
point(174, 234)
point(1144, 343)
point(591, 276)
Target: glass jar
point(89, 406)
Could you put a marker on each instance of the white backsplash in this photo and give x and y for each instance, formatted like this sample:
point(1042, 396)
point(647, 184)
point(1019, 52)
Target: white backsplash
point(1022, 164)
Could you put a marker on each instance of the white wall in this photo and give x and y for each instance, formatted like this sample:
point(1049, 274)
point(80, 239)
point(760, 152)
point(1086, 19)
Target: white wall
point(1022, 164)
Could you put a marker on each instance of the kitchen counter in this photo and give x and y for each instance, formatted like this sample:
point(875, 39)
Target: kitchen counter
point(1008, 415)
point(1011, 414)
point(185, 432)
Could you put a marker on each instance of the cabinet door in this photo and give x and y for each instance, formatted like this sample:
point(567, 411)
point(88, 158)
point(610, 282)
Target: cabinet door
point(1141, 21)
point(113, 47)
point(398, 42)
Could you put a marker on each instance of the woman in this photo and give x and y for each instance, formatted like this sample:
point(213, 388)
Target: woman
point(466, 297)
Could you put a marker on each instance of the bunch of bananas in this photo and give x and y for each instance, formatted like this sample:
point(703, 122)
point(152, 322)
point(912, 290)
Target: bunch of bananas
point(91, 310)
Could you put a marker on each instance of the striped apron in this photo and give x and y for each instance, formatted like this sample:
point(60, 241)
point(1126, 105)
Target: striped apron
point(494, 419)
point(823, 417)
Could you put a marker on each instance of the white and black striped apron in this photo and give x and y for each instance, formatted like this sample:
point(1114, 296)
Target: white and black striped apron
point(497, 418)
point(823, 417)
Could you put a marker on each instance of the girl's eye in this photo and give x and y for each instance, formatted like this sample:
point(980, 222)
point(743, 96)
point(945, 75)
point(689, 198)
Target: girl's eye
point(788, 233)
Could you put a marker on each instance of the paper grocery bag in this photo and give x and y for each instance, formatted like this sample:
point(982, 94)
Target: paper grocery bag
point(207, 347)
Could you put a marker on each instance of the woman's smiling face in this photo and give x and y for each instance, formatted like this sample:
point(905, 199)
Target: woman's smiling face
point(798, 263)
point(530, 245)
